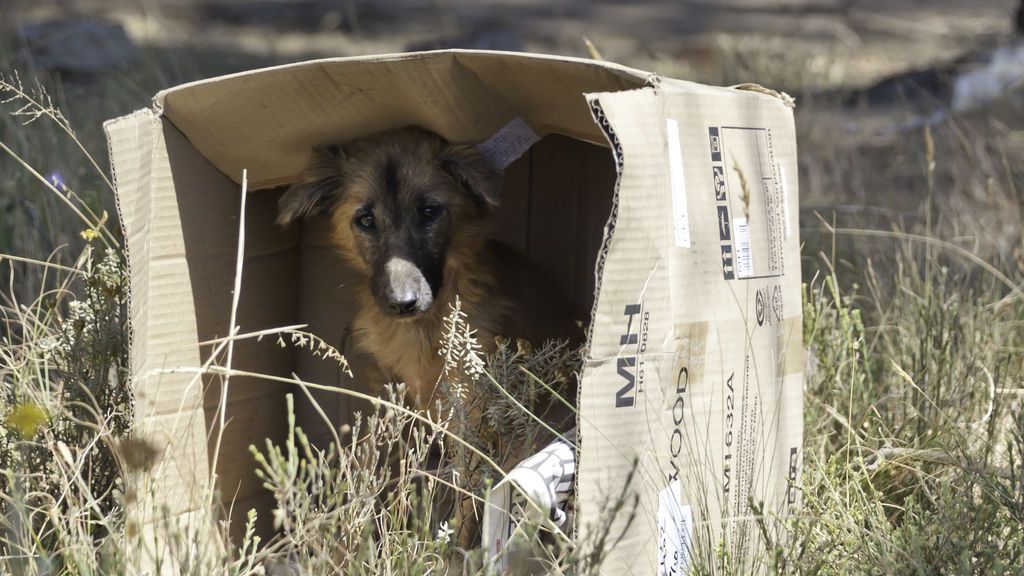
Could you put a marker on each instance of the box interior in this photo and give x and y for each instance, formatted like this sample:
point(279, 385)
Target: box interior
point(555, 204)
point(557, 201)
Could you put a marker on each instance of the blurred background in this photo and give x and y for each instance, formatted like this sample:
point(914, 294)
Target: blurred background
point(805, 44)
point(868, 76)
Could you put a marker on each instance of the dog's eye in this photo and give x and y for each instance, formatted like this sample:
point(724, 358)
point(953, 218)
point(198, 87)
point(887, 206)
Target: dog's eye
point(430, 212)
point(366, 221)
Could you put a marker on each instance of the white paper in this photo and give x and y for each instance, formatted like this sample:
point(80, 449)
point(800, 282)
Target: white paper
point(511, 142)
point(675, 523)
point(680, 214)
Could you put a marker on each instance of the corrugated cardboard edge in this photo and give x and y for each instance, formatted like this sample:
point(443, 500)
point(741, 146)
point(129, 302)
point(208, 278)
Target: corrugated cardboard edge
point(609, 228)
point(596, 486)
point(653, 81)
point(173, 492)
point(108, 127)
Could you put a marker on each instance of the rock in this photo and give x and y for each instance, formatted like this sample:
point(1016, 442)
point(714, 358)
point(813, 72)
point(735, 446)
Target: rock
point(295, 15)
point(83, 45)
point(997, 75)
point(969, 82)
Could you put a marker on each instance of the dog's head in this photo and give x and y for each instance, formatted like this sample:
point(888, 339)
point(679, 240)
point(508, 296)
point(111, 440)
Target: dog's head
point(400, 203)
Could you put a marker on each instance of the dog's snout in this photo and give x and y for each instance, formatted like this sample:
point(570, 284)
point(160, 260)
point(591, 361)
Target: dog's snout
point(403, 307)
point(403, 289)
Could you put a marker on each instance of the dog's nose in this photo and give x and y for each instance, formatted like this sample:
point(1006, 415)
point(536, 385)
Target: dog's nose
point(402, 307)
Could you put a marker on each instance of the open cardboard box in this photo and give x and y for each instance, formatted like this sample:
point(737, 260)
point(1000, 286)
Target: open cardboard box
point(665, 210)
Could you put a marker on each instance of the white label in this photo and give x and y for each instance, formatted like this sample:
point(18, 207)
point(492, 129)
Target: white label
point(744, 261)
point(785, 200)
point(680, 215)
point(675, 523)
point(511, 142)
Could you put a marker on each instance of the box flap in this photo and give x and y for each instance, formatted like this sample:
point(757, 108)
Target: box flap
point(268, 120)
point(694, 370)
point(168, 407)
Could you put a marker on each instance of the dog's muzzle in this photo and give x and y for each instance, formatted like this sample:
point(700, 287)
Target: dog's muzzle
point(406, 290)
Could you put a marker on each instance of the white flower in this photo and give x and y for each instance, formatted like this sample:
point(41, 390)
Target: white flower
point(444, 533)
point(463, 362)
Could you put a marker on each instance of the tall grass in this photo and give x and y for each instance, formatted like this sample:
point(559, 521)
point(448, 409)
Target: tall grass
point(914, 428)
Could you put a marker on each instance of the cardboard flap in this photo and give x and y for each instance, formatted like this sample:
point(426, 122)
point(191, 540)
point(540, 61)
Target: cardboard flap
point(692, 381)
point(168, 407)
point(268, 120)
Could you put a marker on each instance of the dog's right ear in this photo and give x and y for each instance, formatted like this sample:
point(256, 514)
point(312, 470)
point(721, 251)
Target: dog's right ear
point(467, 167)
point(316, 188)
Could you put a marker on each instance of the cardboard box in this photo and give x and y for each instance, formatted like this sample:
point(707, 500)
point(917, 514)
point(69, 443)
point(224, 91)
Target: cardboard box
point(666, 210)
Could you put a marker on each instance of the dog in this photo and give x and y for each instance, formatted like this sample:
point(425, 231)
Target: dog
point(410, 212)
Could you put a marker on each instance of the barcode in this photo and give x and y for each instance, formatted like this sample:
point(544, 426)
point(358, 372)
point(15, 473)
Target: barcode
point(744, 260)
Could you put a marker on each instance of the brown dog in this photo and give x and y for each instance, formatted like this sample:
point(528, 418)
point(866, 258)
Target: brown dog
point(409, 211)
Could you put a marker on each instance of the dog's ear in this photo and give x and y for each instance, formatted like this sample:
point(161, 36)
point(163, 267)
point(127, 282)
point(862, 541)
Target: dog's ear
point(316, 188)
point(465, 165)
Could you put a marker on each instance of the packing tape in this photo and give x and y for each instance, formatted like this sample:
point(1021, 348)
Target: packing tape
point(791, 345)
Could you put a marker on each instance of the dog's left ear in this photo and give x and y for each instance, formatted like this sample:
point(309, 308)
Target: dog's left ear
point(465, 165)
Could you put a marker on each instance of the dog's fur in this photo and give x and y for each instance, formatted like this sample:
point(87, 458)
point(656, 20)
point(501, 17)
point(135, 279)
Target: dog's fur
point(410, 212)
